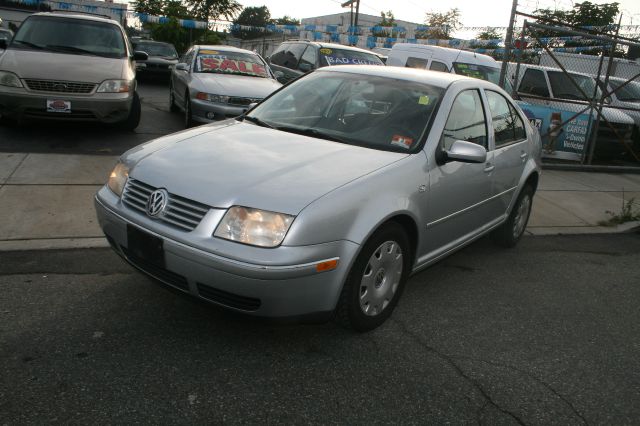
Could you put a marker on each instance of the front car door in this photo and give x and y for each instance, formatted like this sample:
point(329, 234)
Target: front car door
point(457, 206)
point(180, 78)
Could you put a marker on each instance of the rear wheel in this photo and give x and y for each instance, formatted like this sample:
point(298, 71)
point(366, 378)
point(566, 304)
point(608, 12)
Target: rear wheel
point(376, 280)
point(510, 232)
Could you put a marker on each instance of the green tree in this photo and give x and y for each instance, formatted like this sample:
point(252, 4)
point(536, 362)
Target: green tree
point(286, 20)
point(253, 17)
point(387, 20)
point(443, 24)
point(207, 10)
point(490, 34)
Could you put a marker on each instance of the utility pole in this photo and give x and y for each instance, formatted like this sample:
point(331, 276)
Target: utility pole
point(350, 3)
point(355, 23)
point(508, 41)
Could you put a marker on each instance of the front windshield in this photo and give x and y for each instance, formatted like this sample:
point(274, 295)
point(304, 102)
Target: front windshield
point(564, 88)
point(157, 49)
point(375, 112)
point(331, 56)
point(228, 62)
point(629, 92)
point(73, 36)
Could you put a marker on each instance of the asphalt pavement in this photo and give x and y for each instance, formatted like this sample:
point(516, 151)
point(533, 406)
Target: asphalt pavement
point(545, 333)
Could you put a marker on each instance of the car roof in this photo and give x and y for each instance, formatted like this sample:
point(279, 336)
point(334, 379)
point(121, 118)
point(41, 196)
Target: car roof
point(435, 78)
point(76, 15)
point(542, 67)
point(223, 47)
point(331, 45)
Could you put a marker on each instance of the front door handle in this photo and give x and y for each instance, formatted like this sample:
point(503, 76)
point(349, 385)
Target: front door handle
point(489, 168)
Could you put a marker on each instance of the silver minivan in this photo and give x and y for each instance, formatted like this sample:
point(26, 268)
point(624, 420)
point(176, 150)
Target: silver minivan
point(70, 66)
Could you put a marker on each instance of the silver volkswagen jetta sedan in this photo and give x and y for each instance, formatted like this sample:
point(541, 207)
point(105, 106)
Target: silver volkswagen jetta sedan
point(323, 199)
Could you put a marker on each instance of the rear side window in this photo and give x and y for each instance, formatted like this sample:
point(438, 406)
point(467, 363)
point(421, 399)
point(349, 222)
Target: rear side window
point(438, 66)
point(466, 121)
point(507, 124)
point(534, 83)
point(416, 63)
point(308, 60)
point(289, 56)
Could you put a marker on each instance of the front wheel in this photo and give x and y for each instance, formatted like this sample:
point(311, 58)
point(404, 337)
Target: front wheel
point(172, 100)
point(510, 232)
point(188, 117)
point(132, 121)
point(376, 280)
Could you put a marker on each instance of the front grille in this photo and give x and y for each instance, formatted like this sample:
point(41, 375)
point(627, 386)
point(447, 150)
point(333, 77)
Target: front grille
point(235, 100)
point(157, 272)
point(180, 212)
point(59, 86)
point(229, 299)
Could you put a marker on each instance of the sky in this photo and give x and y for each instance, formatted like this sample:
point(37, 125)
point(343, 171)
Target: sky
point(475, 13)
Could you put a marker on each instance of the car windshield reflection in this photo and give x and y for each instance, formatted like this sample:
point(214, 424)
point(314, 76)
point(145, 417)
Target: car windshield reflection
point(375, 112)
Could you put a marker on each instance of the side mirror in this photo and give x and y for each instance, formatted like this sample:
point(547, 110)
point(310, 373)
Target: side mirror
point(466, 152)
point(3, 43)
point(181, 66)
point(139, 55)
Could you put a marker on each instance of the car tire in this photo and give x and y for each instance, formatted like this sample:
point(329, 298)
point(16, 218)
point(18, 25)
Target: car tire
point(510, 232)
point(188, 117)
point(376, 280)
point(132, 121)
point(172, 100)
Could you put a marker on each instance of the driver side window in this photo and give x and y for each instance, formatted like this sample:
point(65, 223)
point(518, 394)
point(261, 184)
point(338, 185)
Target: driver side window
point(466, 121)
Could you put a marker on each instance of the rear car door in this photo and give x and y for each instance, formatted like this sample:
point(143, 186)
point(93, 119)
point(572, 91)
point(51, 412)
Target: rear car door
point(511, 148)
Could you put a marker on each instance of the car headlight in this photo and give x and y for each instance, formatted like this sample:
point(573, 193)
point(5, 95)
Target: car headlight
point(212, 98)
point(254, 227)
point(118, 178)
point(115, 86)
point(9, 79)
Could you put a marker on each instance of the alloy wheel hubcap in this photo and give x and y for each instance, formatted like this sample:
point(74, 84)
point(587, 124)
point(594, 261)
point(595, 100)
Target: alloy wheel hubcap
point(381, 278)
point(521, 216)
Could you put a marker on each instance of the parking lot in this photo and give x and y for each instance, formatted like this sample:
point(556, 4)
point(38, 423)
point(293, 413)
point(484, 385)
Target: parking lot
point(546, 333)
point(92, 138)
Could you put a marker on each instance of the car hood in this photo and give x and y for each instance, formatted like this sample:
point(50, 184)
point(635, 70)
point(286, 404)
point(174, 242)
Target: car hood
point(235, 85)
point(247, 165)
point(61, 66)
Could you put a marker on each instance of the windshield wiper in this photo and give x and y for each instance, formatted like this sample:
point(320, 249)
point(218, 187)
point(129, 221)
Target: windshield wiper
point(311, 132)
point(70, 49)
point(257, 121)
point(26, 43)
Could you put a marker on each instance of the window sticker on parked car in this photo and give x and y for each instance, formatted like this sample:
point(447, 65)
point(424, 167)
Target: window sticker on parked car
point(326, 51)
point(213, 63)
point(208, 52)
point(334, 60)
point(401, 141)
point(423, 100)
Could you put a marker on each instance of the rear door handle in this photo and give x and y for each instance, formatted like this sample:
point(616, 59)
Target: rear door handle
point(523, 156)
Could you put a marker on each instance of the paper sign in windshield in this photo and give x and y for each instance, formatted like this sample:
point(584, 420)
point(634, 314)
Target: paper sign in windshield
point(401, 141)
point(334, 60)
point(217, 64)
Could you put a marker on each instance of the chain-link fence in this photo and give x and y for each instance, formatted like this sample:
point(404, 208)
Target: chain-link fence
point(584, 99)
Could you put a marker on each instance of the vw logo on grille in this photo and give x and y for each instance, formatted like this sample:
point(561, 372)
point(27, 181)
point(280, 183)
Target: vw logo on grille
point(157, 202)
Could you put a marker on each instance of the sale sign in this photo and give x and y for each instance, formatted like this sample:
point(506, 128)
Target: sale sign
point(217, 63)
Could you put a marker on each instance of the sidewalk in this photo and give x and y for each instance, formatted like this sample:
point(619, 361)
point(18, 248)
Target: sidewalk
point(46, 201)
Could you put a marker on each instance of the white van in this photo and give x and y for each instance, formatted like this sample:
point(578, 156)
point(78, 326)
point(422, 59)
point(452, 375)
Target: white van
point(444, 59)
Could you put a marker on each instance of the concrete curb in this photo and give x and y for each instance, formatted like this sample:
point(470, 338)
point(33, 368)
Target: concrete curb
point(590, 168)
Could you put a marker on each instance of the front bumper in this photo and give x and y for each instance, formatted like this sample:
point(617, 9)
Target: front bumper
point(201, 111)
point(278, 282)
point(19, 103)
